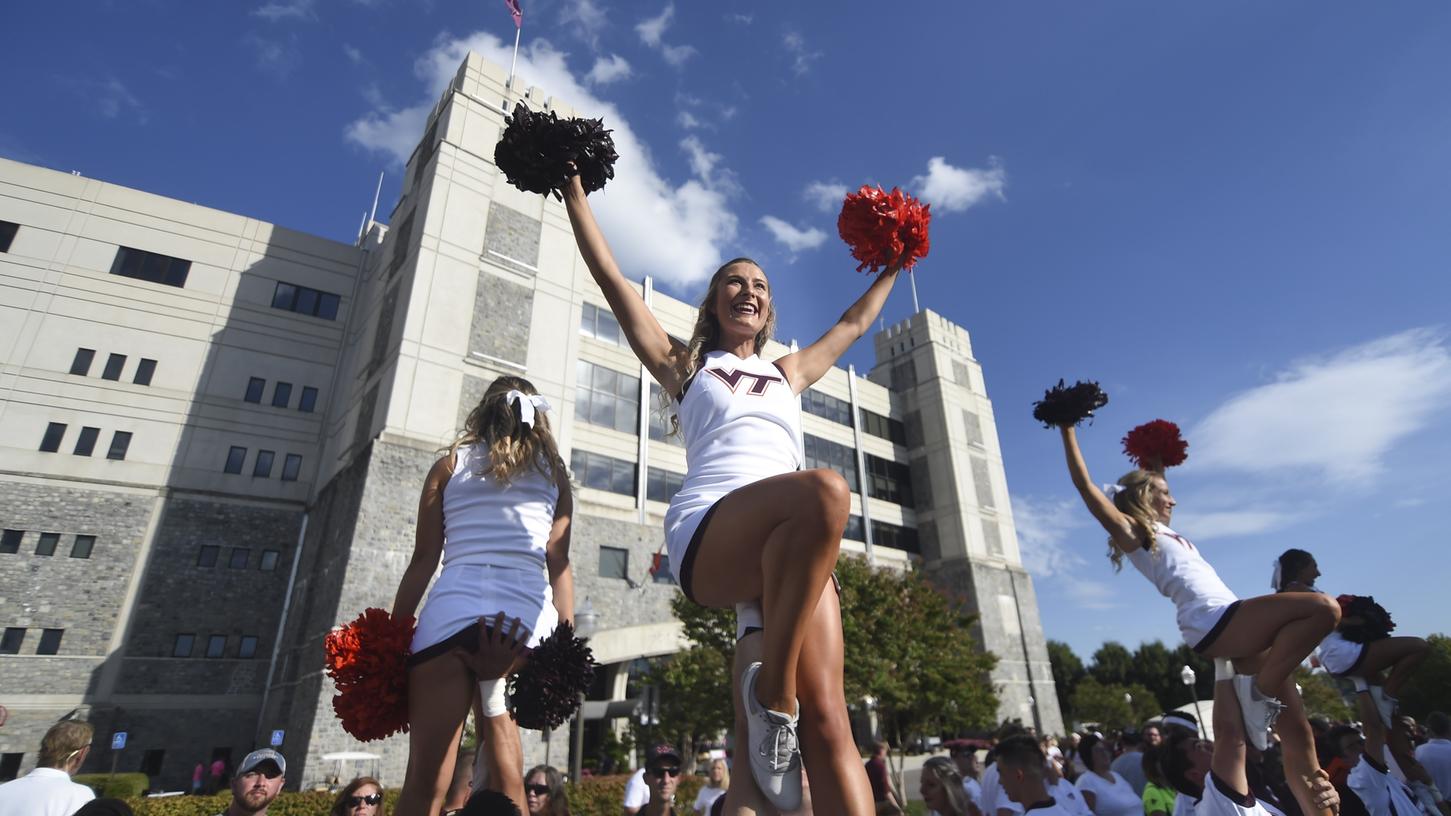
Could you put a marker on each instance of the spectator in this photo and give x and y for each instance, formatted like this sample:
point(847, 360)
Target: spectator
point(1158, 796)
point(1063, 792)
point(1107, 793)
point(662, 774)
point(965, 757)
point(48, 790)
point(489, 803)
point(637, 793)
point(1020, 768)
point(1152, 736)
point(217, 776)
point(258, 780)
point(1130, 764)
point(717, 782)
point(941, 788)
point(105, 807)
point(1435, 755)
point(994, 803)
point(198, 778)
point(362, 797)
point(544, 792)
point(889, 802)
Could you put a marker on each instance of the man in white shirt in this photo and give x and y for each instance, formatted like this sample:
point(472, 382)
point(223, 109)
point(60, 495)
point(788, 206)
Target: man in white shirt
point(637, 793)
point(1382, 793)
point(1435, 755)
point(48, 790)
point(964, 756)
point(1021, 767)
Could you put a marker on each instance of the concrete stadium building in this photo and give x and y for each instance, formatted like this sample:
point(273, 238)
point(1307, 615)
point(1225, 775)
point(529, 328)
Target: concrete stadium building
point(213, 431)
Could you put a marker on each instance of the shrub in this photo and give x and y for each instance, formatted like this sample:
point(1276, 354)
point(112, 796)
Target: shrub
point(115, 786)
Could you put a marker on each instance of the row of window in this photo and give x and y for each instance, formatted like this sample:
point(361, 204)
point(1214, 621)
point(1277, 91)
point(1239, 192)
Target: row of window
point(216, 646)
point(85, 441)
point(281, 394)
point(14, 638)
point(115, 365)
point(150, 266)
point(46, 544)
point(305, 300)
point(209, 555)
point(604, 396)
point(262, 465)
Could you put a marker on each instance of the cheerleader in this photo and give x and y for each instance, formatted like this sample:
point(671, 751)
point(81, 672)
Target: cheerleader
point(497, 509)
point(1267, 636)
point(748, 524)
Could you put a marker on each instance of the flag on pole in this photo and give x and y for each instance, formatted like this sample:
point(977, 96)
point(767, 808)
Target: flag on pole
point(516, 11)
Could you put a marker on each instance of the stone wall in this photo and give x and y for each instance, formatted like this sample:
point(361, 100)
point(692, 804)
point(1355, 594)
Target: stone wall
point(501, 318)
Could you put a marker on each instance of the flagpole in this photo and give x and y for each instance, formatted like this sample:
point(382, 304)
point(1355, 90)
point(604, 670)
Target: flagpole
point(515, 61)
point(913, 279)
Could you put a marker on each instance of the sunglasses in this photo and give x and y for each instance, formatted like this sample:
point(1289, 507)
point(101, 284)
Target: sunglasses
point(672, 770)
point(537, 790)
point(370, 799)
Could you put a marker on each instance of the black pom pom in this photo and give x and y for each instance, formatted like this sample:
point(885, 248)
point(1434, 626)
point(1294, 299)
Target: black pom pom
point(1363, 620)
point(545, 693)
point(536, 148)
point(1064, 406)
point(489, 803)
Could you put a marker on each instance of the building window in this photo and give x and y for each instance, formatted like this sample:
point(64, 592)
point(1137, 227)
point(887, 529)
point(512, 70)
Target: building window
point(207, 555)
point(255, 386)
point(826, 406)
point(150, 266)
point(898, 538)
point(81, 365)
point(10, 643)
point(604, 396)
point(235, 457)
point(10, 763)
point(239, 558)
point(823, 453)
point(144, 370)
point(600, 323)
point(262, 467)
point(268, 562)
point(982, 481)
point(10, 541)
point(889, 481)
point(248, 646)
point(662, 485)
point(290, 467)
point(854, 529)
point(114, 364)
point(614, 563)
point(603, 472)
point(83, 546)
point(151, 761)
point(216, 646)
point(182, 646)
point(884, 427)
point(54, 433)
point(308, 401)
point(401, 239)
point(47, 544)
point(7, 234)
point(973, 427)
point(120, 443)
point(281, 395)
point(660, 420)
point(49, 641)
point(86, 442)
point(305, 300)
point(661, 573)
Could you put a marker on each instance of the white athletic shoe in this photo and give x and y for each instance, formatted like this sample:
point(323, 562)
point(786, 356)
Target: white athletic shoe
point(773, 749)
point(1385, 704)
point(1259, 711)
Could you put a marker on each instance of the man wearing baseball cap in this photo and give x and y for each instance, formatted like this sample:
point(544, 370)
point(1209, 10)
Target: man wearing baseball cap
point(257, 782)
point(662, 774)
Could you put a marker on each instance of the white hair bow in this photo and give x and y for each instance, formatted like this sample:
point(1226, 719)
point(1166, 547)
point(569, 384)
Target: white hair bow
point(1111, 490)
point(527, 405)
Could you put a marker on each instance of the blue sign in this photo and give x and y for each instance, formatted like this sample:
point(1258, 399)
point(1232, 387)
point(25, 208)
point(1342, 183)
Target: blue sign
point(118, 740)
point(277, 738)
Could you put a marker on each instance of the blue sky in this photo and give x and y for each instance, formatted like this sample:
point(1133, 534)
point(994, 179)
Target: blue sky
point(1234, 215)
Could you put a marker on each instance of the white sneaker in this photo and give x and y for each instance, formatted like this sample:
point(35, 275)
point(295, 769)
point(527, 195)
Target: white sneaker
point(773, 749)
point(1259, 711)
point(1385, 704)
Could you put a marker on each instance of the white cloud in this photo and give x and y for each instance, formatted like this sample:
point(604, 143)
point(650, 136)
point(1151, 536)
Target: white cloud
point(677, 55)
point(113, 98)
point(826, 196)
point(793, 238)
point(608, 69)
point(1339, 415)
point(1230, 523)
point(584, 19)
point(276, 57)
point(707, 168)
point(801, 55)
point(687, 120)
point(743, 19)
point(285, 10)
point(954, 189)
point(1091, 594)
point(674, 232)
point(652, 29)
point(1043, 528)
point(354, 55)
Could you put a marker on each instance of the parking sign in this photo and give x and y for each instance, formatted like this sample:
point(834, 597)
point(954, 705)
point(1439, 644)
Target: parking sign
point(118, 740)
point(277, 738)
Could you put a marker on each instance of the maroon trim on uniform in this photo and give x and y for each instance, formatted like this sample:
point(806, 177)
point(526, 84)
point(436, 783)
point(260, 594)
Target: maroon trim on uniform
point(1219, 626)
point(687, 563)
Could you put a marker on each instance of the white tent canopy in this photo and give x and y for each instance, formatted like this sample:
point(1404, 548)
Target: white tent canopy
point(343, 756)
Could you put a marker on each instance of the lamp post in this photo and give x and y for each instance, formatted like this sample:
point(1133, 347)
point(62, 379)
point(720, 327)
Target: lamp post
point(585, 621)
point(1186, 676)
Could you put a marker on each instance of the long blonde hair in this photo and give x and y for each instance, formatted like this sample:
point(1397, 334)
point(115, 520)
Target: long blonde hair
point(1133, 501)
point(513, 446)
point(706, 335)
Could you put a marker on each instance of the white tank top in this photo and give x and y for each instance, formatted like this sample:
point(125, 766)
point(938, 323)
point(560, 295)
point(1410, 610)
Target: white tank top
point(1181, 574)
point(485, 522)
point(741, 423)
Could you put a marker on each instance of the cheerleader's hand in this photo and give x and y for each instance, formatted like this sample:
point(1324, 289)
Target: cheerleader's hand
point(502, 647)
point(1322, 793)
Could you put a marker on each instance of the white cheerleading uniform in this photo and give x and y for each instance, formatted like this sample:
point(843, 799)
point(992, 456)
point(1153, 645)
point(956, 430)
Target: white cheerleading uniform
point(1181, 574)
point(1382, 793)
point(494, 552)
point(741, 423)
point(1220, 799)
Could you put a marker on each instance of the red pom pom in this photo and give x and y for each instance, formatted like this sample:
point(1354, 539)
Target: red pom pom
point(885, 228)
point(367, 659)
point(1156, 445)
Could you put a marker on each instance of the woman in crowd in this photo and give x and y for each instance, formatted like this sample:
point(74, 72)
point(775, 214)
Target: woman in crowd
point(1158, 796)
point(544, 791)
point(1106, 793)
point(717, 782)
point(362, 797)
point(941, 788)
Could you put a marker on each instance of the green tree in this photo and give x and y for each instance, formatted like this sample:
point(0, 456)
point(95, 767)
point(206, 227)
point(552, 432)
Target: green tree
point(1068, 671)
point(693, 687)
point(1114, 705)
point(1112, 664)
point(1155, 668)
point(1203, 677)
point(1321, 696)
point(1429, 688)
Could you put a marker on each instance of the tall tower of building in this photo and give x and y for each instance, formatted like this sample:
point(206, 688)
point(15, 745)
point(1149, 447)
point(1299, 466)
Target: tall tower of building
point(964, 520)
